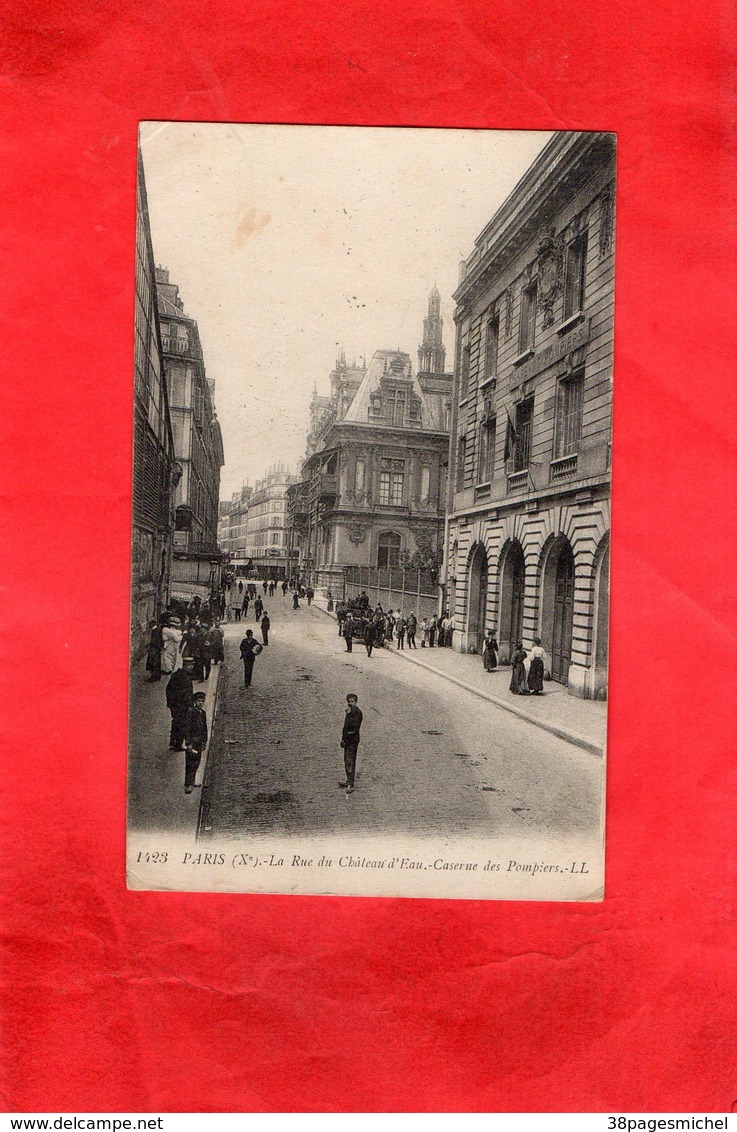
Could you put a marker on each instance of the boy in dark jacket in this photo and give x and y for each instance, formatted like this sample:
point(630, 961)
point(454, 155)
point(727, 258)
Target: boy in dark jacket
point(195, 740)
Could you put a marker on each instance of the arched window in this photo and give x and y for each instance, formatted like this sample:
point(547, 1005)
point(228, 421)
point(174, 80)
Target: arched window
point(389, 547)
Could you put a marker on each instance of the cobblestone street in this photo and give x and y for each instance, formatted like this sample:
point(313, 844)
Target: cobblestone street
point(433, 758)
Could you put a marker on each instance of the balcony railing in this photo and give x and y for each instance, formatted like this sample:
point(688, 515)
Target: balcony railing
point(563, 468)
point(517, 482)
point(328, 484)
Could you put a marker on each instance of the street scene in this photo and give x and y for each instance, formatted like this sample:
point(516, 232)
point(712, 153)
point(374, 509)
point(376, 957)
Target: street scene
point(376, 663)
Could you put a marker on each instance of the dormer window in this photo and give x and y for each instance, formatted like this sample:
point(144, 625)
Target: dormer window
point(395, 402)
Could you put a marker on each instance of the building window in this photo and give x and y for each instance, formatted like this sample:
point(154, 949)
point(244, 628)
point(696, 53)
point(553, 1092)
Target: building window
point(425, 485)
point(522, 435)
point(574, 285)
point(391, 483)
point(360, 475)
point(389, 547)
point(461, 463)
point(492, 347)
point(528, 307)
point(568, 416)
point(465, 365)
point(487, 449)
point(395, 402)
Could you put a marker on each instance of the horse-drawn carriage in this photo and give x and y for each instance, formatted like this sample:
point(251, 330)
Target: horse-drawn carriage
point(361, 616)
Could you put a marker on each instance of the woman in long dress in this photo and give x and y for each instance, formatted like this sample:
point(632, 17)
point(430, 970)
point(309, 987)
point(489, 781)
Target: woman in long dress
point(153, 658)
point(172, 635)
point(518, 683)
point(491, 649)
point(536, 675)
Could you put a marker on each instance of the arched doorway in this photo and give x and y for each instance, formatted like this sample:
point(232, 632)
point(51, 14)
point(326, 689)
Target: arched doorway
point(601, 631)
point(478, 580)
point(512, 601)
point(557, 619)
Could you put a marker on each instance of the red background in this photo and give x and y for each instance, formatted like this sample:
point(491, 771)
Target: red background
point(132, 1001)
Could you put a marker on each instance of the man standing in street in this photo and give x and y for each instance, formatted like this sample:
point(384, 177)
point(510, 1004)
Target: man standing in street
point(350, 740)
point(250, 648)
point(195, 740)
point(179, 692)
point(265, 626)
point(348, 632)
point(369, 637)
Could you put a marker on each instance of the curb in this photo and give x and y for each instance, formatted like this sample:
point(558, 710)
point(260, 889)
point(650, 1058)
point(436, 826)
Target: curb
point(572, 737)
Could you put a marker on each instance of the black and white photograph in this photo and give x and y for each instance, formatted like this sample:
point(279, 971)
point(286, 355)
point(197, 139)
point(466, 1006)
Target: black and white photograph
point(372, 443)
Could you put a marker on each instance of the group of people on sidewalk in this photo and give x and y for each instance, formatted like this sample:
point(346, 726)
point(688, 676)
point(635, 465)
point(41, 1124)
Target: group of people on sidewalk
point(184, 643)
point(356, 619)
point(528, 668)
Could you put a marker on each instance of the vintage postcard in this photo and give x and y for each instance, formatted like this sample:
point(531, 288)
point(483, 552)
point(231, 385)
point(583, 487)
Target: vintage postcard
point(371, 511)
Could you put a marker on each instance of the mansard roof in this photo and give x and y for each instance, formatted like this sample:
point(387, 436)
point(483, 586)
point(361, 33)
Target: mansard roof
point(389, 365)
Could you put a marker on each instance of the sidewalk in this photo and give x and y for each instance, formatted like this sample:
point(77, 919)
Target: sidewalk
point(156, 798)
point(580, 722)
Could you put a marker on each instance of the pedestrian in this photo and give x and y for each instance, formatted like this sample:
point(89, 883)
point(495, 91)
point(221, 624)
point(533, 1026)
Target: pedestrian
point(284, 587)
point(272, 587)
point(205, 654)
point(491, 651)
point(518, 683)
point(216, 644)
point(424, 633)
point(401, 628)
point(250, 648)
point(390, 622)
point(179, 692)
point(369, 637)
point(363, 601)
point(246, 600)
point(295, 600)
point(348, 631)
point(411, 630)
point(258, 608)
point(449, 627)
point(350, 739)
point(172, 635)
point(310, 593)
point(329, 596)
point(536, 674)
point(432, 627)
point(195, 740)
point(240, 587)
point(205, 615)
point(155, 649)
point(340, 614)
point(265, 585)
point(265, 626)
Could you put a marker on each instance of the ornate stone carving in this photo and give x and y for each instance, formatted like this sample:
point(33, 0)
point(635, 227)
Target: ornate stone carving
point(550, 274)
point(508, 306)
point(606, 222)
point(356, 533)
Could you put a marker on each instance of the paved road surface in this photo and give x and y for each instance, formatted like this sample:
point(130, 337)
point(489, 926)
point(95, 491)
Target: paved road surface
point(433, 757)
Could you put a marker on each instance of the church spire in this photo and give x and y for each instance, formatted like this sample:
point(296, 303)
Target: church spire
point(431, 354)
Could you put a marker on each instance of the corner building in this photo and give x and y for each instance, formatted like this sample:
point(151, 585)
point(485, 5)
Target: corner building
point(373, 492)
point(529, 517)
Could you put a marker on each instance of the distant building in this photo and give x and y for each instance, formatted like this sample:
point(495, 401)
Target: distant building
point(528, 529)
point(198, 446)
point(154, 467)
point(233, 523)
point(373, 483)
point(266, 537)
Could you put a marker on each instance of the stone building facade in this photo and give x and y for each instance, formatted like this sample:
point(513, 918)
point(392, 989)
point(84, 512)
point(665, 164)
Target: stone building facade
point(373, 490)
point(154, 465)
point(529, 517)
point(198, 446)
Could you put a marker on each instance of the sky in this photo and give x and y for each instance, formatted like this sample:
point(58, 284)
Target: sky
point(289, 243)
